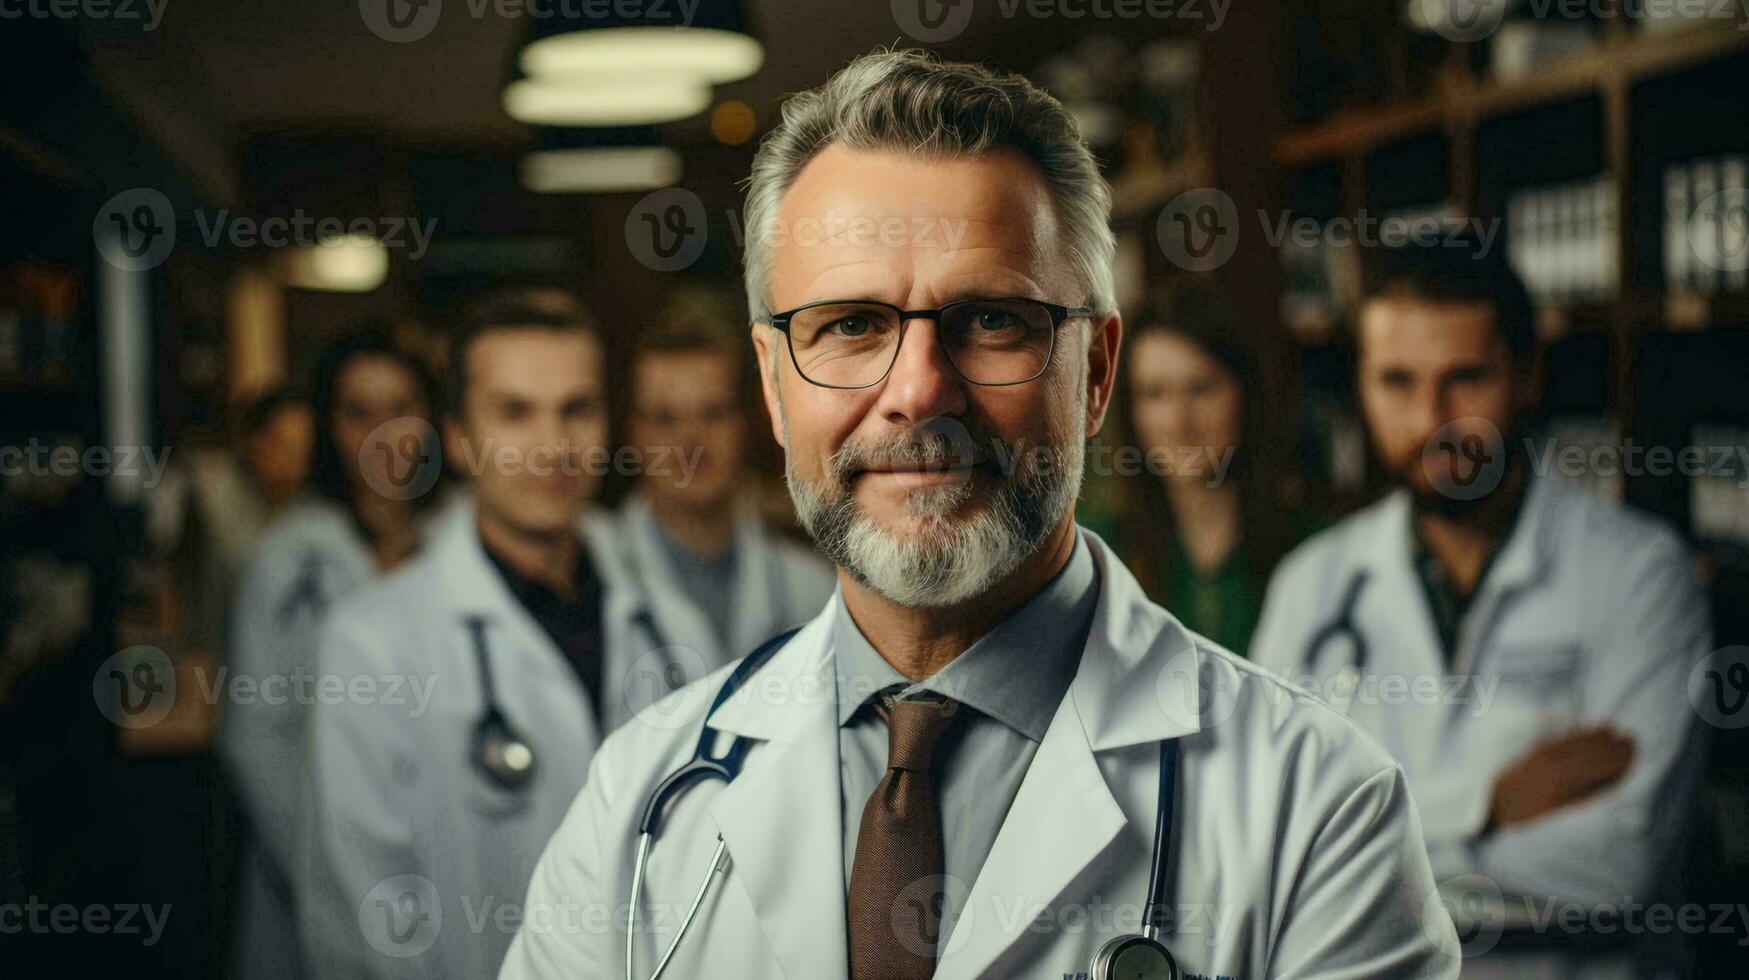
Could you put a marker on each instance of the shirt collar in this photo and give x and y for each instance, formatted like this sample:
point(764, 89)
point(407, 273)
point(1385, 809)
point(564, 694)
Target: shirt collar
point(1043, 638)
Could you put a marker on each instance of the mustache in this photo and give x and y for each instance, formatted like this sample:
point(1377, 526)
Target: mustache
point(939, 444)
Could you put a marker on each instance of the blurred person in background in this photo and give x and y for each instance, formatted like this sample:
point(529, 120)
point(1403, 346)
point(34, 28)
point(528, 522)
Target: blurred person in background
point(480, 677)
point(718, 580)
point(375, 461)
point(1521, 646)
point(1202, 526)
point(221, 503)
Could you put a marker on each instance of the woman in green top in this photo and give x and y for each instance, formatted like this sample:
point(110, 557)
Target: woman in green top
point(1202, 525)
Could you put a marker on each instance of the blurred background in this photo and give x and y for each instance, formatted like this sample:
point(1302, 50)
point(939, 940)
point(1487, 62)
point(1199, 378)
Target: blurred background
point(196, 197)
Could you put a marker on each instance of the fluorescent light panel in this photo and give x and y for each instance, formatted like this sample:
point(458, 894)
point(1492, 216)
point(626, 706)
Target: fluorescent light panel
point(601, 170)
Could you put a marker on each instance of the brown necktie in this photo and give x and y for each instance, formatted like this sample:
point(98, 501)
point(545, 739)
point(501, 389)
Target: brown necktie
point(895, 881)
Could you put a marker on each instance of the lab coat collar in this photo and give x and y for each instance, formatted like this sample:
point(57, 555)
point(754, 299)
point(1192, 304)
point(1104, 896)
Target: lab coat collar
point(1387, 547)
point(473, 587)
point(1137, 672)
point(755, 594)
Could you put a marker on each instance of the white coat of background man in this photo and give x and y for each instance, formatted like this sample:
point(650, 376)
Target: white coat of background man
point(516, 619)
point(1523, 646)
point(719, 581)
point(933, 383)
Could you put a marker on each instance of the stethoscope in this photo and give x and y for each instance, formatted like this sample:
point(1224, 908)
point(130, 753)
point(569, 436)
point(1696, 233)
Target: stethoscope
point(499, 750)
point(1130, 957)
point(1343, 626)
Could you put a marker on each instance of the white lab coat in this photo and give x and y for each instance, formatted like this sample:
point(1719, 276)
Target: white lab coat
point(1589, 614)
point(412, 856)
point(1298, 852)
point(778, 584)
point(304, 562)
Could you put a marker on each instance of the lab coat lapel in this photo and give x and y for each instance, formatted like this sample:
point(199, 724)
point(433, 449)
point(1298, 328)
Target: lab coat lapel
point(475, 588)
point(1138, 682)
point(1063, 816)
point(1393, 613)
point(781, 818)
point(1521, 563)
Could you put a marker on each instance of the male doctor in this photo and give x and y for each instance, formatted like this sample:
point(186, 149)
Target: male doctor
point(720, 582)
point(954, 769)
point(1521, 646)
point(468, 690)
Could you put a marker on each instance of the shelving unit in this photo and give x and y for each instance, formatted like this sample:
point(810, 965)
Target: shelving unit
point(1621, 111)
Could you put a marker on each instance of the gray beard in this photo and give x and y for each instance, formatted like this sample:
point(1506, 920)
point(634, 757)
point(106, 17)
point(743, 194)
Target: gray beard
point(949, 559)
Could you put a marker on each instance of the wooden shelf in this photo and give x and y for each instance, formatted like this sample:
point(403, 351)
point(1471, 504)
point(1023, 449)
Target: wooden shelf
point(1459, 104)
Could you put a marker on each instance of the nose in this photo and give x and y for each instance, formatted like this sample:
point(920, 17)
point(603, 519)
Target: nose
point(923, 383)
point(1428, 410)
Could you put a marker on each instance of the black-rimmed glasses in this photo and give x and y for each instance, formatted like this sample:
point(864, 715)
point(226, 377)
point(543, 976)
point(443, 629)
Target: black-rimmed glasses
point(855, 343)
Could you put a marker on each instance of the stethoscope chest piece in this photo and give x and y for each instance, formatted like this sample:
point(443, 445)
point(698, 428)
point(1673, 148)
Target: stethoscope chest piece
point(1134, 957)
point(502, 753)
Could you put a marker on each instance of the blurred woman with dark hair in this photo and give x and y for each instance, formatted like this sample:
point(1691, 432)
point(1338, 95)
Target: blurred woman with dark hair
point(1203, 524)
point(374, 471)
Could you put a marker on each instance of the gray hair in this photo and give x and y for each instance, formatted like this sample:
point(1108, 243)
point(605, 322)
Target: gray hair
point(910, 100)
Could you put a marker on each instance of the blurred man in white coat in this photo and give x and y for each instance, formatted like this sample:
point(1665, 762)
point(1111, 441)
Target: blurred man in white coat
point(989, 754)
point(1520, 645)
point(720, 582)
point(460, 699)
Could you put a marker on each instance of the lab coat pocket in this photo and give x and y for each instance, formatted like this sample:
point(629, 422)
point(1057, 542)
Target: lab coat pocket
point(1544, 673)
point(1536, 691)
